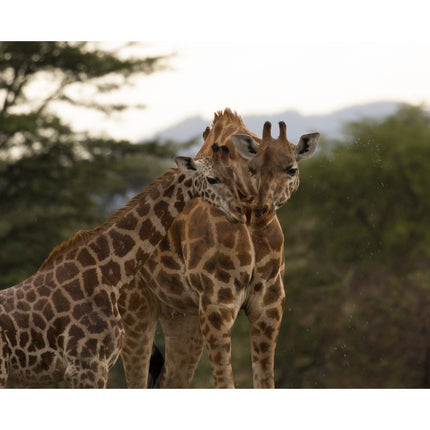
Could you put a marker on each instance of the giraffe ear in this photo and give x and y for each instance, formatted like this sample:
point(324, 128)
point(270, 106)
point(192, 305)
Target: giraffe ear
point(306, 146)
point(186, 164)
point(245, 144)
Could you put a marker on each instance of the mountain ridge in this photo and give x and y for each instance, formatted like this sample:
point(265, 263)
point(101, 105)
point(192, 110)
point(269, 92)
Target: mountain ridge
point(329, 124)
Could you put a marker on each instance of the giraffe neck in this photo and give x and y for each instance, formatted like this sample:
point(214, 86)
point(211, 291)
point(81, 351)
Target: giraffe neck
point(120, 248)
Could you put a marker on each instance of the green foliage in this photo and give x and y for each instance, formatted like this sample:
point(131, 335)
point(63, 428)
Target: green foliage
point(53, 181)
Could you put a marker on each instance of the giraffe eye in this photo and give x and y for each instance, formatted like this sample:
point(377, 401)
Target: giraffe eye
point(291, 170)
point(212, 180)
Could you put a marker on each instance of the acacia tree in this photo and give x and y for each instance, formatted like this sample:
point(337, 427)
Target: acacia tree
point(53, 180)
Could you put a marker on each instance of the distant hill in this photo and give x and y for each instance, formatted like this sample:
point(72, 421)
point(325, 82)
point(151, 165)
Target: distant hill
point(328, 124)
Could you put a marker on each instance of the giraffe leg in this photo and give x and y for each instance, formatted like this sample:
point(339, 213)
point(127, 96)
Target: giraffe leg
point(216, 322)
point(4, 360)
point(183, 349)
point(139, 320)
point(265, 313)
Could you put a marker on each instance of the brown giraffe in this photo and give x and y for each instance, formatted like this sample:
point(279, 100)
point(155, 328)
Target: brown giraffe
point(205, 270)
point(63, 323)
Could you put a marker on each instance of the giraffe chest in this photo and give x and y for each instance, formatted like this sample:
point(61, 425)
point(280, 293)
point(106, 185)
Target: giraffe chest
point(198, 258)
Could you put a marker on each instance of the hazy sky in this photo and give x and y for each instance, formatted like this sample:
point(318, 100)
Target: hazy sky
point(256, 57)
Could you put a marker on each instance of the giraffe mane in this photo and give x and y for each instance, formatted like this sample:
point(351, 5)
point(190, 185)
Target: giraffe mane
point(227, 114)
point(83, 236)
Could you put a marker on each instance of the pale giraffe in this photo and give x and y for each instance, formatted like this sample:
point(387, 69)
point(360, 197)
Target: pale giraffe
point(205, 270)
point(62, 323)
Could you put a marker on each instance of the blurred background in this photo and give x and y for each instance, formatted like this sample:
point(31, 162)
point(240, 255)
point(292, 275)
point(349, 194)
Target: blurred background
point(85, 126)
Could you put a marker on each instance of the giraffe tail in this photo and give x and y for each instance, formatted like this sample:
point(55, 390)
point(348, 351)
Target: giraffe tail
point(155, 366)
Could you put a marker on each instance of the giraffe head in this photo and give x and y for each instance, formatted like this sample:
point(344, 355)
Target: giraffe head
point(213, 179)
point(274, 168)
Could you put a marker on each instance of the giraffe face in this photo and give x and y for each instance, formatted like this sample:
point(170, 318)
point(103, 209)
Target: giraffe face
point(275, 170)
point(213, 179)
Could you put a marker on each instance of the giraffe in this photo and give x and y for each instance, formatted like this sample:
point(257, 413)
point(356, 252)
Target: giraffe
point(206, 270)
point(62, 323)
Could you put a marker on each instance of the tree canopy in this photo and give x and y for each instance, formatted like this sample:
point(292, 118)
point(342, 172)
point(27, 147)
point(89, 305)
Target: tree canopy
point(53, 180)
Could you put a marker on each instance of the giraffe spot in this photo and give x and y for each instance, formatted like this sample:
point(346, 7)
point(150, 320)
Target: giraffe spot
point(47, 359)
point(61, 303)
point(22, 358)
point(101, 247)
point(94, 322)
point(65, 272)
point(89, 349)
point(147, 230)
point(273, 314)
point(73, 289)
point(168, 192)
point(272, 295)
point(37, 339)
point(38, 281)
point(215, 320)
point(85, 258)
point(258, 287)
point(23, 339)
point(143, 208)
point(38, 321)
point(225, 234)
point(244, 258)
point(225, 295)
point(76, 332)
point(128, 222)
point(264, 347)
point(223, 276)
point(80, 309)
point(169, 262)
point(111, 273)
point(266, 329)
point(122, 243)
point(270, 269)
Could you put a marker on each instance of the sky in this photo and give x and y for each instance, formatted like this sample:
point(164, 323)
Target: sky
point(263, 57)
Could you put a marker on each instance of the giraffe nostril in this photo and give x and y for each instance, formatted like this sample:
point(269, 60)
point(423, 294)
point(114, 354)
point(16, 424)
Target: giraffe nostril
point(261, 211)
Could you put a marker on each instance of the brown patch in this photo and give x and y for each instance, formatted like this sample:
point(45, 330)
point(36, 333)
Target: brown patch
point(225, 295)
point(101, 247)
point(143, 208)
point(74, 290)
point(80, 310)
point(266, 329)
point(85, 258)
point(65, 272)
point(272, 295)
point(273, 314)
point(23, 339)
point(129, 222)
point(134, 302)
point(161, 210)
point(31, 296)
point(61, 303)
point(122, 243)
point(111, 273)
point(38, 321)
point(39, 279)
point(264, 347)
point(257, 287)
point(270, 269)
point(91, 280)
point(169, 262)
point(215, 320)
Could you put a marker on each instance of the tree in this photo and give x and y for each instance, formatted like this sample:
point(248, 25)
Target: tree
point(357, 253)
point(54, 181)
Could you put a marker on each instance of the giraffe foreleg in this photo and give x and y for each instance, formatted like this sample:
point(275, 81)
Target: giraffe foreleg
point(265, 313)
point(216, 322)
point(139, 320)
point(183, 349)
point(4, 361)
